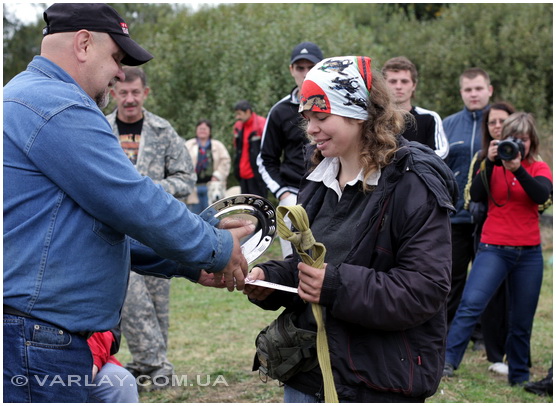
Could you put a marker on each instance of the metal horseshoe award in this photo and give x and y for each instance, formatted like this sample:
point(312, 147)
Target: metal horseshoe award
point(253, 208)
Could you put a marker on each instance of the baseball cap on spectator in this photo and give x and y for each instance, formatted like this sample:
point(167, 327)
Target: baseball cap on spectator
point(96, 17)
point(306, 50)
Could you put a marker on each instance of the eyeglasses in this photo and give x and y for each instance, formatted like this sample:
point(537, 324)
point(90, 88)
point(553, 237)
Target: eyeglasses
point(492, 123)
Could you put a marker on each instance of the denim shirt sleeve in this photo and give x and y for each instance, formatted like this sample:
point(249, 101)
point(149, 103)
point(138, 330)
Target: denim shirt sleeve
point(77, 151)
point(145, 261)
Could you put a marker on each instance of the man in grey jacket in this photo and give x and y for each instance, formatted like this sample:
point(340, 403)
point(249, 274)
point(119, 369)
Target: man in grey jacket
point(157, 151)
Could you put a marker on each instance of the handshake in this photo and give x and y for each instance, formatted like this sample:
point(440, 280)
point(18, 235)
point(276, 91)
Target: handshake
point(252, 222)
point(233, 274)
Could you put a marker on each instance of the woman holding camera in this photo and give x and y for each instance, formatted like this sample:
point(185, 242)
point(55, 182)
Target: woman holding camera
point(510, 246)
point(494, 320)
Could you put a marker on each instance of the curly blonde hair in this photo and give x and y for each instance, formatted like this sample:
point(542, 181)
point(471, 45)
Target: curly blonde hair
point(379, 132)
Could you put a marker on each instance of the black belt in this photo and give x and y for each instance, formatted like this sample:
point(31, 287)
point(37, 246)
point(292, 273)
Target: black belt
point(14, 312)
point(513, 247)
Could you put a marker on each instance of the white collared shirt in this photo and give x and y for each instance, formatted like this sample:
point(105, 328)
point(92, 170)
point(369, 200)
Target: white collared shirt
point(327, 172)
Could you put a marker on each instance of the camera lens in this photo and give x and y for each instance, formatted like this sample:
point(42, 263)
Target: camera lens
point(507, 150)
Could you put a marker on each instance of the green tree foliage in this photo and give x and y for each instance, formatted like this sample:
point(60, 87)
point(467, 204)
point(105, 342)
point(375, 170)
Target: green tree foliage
point(513, 42)
point(207, 60)
point(421, 11)
point(216, 57)
point(21, 43)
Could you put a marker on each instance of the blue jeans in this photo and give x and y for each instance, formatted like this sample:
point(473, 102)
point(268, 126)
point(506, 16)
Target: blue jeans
point(43, 363)
point(523, 269)
point(202, 194)
point(292, 395)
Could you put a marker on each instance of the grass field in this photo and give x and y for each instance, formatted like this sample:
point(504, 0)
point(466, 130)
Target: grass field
point(212, 335)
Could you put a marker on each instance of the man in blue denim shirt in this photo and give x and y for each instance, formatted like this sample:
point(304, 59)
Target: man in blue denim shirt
point(72, 198)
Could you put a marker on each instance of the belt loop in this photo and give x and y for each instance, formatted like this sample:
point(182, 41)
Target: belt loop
point(14, 312)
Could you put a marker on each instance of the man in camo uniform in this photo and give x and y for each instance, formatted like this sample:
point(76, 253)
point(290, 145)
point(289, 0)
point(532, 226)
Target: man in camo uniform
point(159, 153)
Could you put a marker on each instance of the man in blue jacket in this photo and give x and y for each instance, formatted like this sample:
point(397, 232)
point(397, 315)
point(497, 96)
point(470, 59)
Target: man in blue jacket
point(463, 130)
point(72, 200)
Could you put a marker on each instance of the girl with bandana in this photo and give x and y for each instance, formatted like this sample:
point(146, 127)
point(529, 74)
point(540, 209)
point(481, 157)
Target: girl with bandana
point(380, 205)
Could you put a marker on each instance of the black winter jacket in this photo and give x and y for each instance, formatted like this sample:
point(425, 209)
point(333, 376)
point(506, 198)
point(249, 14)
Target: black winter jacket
point(281, 158)
point(386, 303)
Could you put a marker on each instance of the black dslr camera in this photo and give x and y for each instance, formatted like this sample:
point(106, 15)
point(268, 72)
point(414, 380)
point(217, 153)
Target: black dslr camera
point(509, 148)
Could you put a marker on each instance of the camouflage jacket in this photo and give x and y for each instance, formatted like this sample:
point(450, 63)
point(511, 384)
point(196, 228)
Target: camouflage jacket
point(162, 155)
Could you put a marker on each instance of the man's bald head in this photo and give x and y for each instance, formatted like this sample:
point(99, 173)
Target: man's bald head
point(92, 59)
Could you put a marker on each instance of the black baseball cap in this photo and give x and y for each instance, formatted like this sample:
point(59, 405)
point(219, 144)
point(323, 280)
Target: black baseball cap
point(96, 17)
point(306, 50)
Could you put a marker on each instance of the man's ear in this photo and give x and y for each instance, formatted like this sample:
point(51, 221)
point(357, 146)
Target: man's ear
point(82, 43)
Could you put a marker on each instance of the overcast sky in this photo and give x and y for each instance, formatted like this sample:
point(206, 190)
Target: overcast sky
point(28, 12)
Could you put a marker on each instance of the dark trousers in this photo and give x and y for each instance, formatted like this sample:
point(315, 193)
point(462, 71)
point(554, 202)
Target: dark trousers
point(253, 186)
point(523, 269)
point(463, 252)
point(494, 324)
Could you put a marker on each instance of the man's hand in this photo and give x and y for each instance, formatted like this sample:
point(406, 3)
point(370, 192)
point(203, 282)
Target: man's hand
point(236, 268)
point(211, 280)
point(310, 282)
point(257, 292)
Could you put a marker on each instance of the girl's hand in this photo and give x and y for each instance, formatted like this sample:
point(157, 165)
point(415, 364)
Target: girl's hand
point(256, 292)
point(514, 164)
point(492, 152)
point(310, 282)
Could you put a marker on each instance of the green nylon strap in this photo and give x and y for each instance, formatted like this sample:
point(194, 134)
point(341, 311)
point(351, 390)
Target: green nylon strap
point(311, 253)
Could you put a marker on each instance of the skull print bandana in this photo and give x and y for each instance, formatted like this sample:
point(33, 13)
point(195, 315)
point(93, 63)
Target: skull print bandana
point(339, 85)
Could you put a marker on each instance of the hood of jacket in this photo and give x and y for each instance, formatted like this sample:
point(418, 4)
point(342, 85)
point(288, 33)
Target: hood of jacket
point(431, 169)
point(424, 162)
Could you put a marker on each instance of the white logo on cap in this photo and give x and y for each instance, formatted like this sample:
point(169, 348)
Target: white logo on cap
point(304, 51)
point(124, 28)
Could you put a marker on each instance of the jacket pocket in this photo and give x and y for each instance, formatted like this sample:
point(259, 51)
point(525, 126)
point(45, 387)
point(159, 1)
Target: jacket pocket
point(381, 360)
point(107, 233)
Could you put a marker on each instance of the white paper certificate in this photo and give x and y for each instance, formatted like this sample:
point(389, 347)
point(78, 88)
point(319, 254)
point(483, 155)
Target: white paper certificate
point(271, 285)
